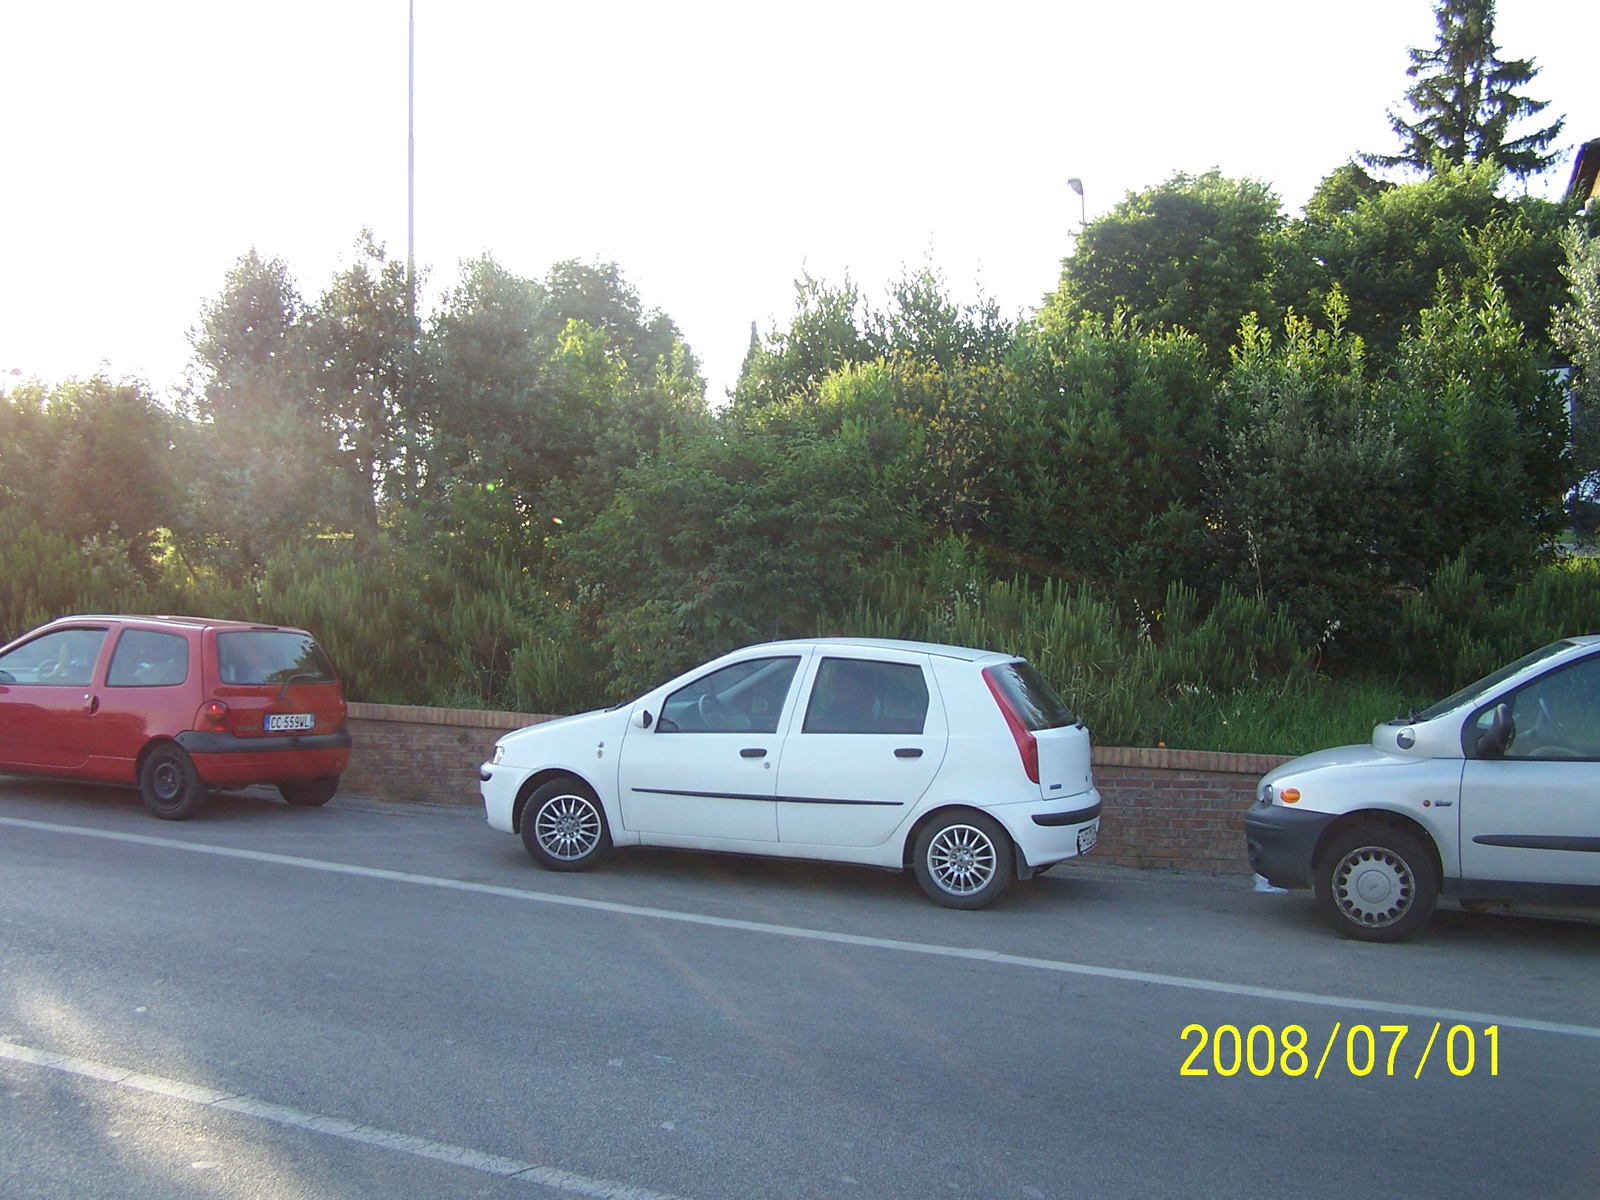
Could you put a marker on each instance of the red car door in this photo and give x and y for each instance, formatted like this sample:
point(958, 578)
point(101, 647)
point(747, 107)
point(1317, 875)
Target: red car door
point(45, 698)
point(151, 688)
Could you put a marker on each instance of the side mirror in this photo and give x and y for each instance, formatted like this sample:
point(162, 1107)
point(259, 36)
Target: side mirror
point(642, 718)
point(1494, 740)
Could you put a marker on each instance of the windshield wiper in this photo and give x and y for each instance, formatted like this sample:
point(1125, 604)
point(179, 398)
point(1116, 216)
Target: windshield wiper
point(311, 675)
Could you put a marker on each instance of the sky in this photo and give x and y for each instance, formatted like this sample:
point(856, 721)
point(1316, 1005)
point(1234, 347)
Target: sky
point(714, 151)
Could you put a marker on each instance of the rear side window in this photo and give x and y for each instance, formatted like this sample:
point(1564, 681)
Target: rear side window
point(853, 696)
point(145, 658)
point(261, 656)
point(1033, 700)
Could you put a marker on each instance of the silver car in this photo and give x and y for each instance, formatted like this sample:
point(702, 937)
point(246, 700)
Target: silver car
point(1492, 796)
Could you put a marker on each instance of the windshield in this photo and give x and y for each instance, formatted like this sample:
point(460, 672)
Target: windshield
point(1491, 681)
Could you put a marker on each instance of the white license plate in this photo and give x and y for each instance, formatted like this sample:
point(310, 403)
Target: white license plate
point(290, 722)
point(1087, 837)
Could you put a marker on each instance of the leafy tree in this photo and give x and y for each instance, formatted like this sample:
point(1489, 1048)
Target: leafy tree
point(1484, 426)
point(1466, 101)
point(538, 409)
point(829, 330)
point(1576, 330)
point(92, 459)
point(361, 340)
point(1194, 253)
point(259, 467)
point(1307, 486)
point(1388, 249)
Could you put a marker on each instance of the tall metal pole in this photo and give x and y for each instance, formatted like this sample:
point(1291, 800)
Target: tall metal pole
point(411, 162)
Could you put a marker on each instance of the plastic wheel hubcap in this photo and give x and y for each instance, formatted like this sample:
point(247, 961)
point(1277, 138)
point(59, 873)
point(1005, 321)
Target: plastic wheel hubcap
point(1373, 886)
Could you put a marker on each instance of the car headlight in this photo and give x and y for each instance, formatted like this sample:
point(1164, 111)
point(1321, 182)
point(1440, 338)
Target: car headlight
point(1264, 795)
point(499, 754)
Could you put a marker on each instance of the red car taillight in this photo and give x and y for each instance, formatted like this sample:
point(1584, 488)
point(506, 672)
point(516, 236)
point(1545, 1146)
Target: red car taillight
point(1027, 744)
point(212, 712)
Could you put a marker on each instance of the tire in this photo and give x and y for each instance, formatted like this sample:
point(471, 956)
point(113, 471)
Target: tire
point(309, 793)
point(169, 785)
point(964, 859)
point(564, 826)
point(1376, 884)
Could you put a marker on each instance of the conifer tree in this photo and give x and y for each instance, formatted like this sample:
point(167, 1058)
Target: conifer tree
point(1466, 100)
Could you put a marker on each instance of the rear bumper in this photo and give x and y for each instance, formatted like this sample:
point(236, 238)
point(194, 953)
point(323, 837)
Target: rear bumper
point(222, 758)
point(1046, 831)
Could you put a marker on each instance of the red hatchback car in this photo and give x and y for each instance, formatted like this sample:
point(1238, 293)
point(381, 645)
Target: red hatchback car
point(177, 705)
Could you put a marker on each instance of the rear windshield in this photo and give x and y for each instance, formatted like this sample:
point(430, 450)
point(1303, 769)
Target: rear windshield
point(1489, 682)
point(1034, 701)
point(258, 656)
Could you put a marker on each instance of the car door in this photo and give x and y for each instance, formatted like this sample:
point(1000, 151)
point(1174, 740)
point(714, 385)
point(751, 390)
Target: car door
point(46, 698)
point(150, 688)
point(1533, 814)
point(866, 745)
point(705, 768)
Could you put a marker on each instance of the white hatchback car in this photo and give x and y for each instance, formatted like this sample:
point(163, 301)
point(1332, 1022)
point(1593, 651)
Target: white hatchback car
point(1492, 796)
point(963, 765)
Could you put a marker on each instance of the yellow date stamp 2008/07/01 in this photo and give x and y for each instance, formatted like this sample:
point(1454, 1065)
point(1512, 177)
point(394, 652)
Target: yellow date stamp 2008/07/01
point(1263, 1050)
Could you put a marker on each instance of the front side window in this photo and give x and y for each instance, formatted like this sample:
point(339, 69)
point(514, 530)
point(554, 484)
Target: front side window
point(145, 658)
point(1558, 716)
point(855, 696)
point(64, 658)
point(259, 656)
point(744, 698)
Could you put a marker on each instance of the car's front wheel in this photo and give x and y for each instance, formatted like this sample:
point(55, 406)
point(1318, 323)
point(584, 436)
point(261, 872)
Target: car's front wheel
point(1376, 884)
point(170, 785)
point(963, 859)
point(564, 826)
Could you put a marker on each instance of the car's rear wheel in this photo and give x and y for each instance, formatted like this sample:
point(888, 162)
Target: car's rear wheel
point(309, 793)
point(1376, 884)
point(963, 859)
point(564, 826)
point(169, 784)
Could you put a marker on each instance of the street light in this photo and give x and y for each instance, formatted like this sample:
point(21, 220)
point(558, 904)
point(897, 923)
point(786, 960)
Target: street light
point(1076, 185)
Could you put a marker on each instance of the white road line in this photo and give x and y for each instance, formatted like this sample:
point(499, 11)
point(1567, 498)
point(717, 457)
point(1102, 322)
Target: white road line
point(1354, 1004)
point(278, 1114)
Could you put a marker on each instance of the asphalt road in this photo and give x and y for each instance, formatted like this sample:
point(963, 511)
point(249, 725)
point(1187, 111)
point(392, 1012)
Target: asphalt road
point(366, 1000)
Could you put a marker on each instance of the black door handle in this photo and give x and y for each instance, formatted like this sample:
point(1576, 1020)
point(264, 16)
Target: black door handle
point(908, 752)
point(753, 752)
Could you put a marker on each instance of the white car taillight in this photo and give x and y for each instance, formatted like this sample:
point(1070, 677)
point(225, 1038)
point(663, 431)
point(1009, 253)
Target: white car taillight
point(1027, 744)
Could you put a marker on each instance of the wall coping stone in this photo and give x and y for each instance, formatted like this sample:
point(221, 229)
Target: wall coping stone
point(1158, 758)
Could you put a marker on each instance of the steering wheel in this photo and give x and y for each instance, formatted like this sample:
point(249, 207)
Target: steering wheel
point(49, 670)
point(1546, 728)
point(714, 711)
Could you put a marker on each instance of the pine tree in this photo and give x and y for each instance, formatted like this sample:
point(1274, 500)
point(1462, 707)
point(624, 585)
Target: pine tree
point(1466, 100)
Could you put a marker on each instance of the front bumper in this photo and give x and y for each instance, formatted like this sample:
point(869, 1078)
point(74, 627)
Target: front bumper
point(498, 785)
point(1281, 842)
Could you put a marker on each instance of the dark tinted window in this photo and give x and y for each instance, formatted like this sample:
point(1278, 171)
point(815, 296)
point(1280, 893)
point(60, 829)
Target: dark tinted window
point(853, 696)
point(259, 656)
point(64, 658)
point(145, 658)
point(1033, 700)
point(744, 698)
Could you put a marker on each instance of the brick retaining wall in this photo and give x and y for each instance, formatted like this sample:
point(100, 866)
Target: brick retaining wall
point(1163, 808)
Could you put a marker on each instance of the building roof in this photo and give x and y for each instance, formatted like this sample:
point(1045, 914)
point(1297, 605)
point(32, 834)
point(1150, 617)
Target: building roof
point(1581, 189)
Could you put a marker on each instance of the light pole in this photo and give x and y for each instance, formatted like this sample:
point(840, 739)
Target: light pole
point(411, 162)
point(1076, 185)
